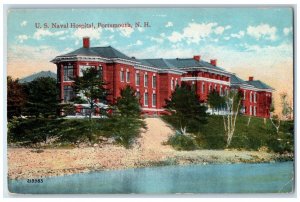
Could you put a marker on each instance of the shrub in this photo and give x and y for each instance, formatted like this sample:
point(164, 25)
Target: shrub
point(182, 142)
point(125, 130)
point(32, 131)
point(82, 130)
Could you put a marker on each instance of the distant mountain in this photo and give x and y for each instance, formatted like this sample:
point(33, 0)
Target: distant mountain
point(38, 75)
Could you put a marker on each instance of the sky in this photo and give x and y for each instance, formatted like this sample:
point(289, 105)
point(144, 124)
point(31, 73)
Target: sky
point(247, 41)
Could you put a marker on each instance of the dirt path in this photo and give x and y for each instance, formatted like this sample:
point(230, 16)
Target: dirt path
point(157, 133)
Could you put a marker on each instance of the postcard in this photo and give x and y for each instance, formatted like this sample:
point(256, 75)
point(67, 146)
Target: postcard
point(150, 100)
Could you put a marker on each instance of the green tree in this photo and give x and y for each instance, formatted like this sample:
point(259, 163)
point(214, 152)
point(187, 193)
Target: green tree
point(90, 88)
point(186, 109)
point(42, 97)
point(127, 123)
point(16, 98)
point(215, 101)
point(128, 104)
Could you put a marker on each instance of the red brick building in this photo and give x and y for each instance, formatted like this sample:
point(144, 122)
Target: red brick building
point(155, 79)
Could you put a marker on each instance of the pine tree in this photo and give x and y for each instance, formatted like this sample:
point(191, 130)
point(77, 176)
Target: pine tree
point(186, 109)
point(42, 97)
point(215, 101)
point(128, 104)
point(90, 88)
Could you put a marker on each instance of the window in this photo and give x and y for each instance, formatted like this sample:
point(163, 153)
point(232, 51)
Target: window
point(172, 84)
point(84, 68)
point(146, 80)
point(146, 99)
point(221, 91)
point(68, 73)
point(154, 82)
point(250, 110)
point(203, 87)
point(176, 83)
point(154, 100)
point(215, 88)
point(244, 95)
point(101, 71)
point(250, 96)
point(254, 111)
point(138, 95)
point(254, 98)
point(68, 93)
point(209, 88)
point(122, 76)
point(137, 79)
point(128, 77)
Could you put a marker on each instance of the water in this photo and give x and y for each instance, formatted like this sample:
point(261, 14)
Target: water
point(215, 178)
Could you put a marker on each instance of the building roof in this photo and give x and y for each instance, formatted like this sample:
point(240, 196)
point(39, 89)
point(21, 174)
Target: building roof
point(259, 84)
point(236, 80)
point(159, 63)
point(179, 63)
point(106, 52)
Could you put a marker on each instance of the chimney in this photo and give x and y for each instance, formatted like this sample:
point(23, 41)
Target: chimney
point(86, 42)
point(213, 62)
point(250, 78)
point(197, 57)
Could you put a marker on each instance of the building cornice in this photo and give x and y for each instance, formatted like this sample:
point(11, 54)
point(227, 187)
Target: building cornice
point(221, 72)
point(205, 79)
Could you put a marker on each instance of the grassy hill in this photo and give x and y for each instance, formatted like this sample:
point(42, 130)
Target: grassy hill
point(253, 137)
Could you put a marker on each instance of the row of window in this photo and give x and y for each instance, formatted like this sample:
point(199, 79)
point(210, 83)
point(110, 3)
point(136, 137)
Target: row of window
point(137, 78)
point(69, 94)
point(146, 98)
point(222, 91)
point(69, 71)
point(253, 97)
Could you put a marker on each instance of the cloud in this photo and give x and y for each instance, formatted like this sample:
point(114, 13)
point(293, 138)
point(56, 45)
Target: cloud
point(137, 43)
point(226, 38)
point(22, 38)
point(23, 23)
point(287, 30)
point(39, 34)
point(141, 29)
point(169, 24)
point(228, 27)
point(157, 39)
point(219, 30)
point(126, 31)
point(90, 32)
point(262, 31)
point(175, 37)
point(238, 35)
point(193, 33)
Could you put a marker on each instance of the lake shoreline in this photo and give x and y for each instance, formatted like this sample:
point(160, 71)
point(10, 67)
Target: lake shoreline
point(28, 163)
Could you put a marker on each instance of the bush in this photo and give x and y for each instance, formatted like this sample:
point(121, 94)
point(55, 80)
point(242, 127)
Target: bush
point(32, 131)
point(125, 130)
point(258, 134)
point(73, 131)
point(182, 142)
